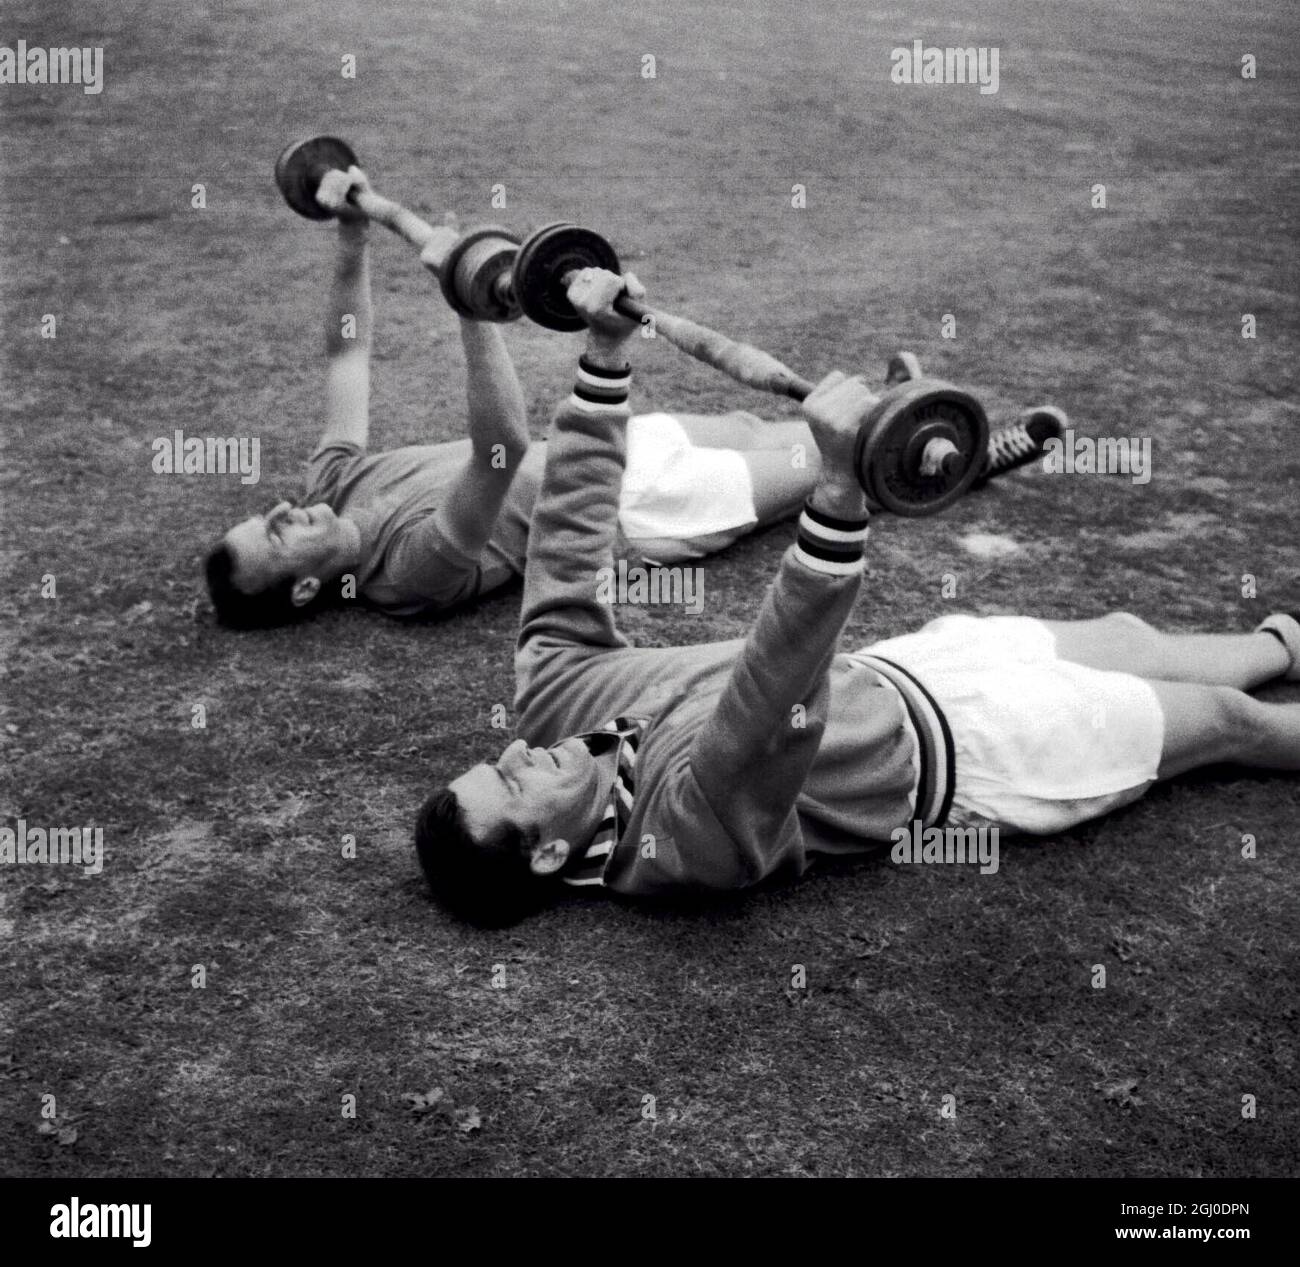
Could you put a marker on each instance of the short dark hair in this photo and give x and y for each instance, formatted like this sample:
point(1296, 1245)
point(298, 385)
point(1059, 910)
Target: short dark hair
point(487, 883)
point(264, 610)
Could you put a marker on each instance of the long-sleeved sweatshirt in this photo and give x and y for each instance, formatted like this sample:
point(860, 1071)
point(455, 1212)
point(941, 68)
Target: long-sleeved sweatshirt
point(759, 752)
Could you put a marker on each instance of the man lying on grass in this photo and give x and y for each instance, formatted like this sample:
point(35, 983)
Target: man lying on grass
point(425, 528)
point(688, 769)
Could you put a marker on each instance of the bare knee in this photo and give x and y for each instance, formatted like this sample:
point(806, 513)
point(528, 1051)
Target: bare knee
point(1204, 725)
point(1118, 641)
point(1131, 625)
point(1232, 716)
point(1138, 643)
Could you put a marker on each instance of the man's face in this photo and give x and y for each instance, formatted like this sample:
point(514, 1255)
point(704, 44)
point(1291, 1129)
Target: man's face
point(546, 793)
point(289, 541)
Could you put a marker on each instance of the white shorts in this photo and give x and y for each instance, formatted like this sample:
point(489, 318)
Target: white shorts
point(1041, 744)
point(675, 490)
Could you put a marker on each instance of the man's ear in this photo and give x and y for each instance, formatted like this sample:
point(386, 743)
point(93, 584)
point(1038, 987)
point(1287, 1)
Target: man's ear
point(548, 857)
point(305, 588)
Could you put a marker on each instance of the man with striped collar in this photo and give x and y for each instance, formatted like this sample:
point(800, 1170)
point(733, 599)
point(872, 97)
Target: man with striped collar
point(676, 770)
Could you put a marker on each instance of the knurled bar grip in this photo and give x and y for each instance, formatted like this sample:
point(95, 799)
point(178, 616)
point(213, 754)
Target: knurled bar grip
point(741, 361)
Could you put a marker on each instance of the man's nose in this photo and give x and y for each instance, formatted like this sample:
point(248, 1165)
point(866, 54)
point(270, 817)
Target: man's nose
point(515, 754)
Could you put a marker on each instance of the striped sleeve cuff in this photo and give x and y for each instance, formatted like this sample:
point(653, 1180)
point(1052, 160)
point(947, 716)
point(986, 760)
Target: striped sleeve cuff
point(599, 390)
point(829, 545)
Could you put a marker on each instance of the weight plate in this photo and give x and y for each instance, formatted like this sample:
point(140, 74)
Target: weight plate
point(895, 434)
point(500, 262)
point(302, 166)
point(546, 257)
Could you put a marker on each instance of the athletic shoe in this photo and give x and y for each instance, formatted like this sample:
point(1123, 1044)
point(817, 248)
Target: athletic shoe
point(1022, 442)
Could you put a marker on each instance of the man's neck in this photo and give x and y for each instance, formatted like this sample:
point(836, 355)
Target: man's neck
point(349, 554)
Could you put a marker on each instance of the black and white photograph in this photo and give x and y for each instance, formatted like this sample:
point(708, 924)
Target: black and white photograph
point(603, 592)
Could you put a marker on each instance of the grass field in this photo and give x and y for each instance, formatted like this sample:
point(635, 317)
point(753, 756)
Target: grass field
point(328, 976)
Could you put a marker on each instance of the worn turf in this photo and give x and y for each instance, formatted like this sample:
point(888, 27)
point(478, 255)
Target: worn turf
point(328, 976)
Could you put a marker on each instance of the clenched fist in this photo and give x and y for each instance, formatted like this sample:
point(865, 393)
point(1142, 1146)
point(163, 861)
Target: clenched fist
point(592, 293)
point(335, 192)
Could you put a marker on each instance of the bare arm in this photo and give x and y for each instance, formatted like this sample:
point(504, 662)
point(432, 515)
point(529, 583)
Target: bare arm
point(349, 313)
point(498, 433)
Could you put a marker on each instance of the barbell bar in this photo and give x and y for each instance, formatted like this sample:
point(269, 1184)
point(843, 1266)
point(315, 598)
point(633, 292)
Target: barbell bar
point(922, 445)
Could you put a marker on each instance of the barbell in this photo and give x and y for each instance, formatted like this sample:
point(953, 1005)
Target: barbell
point(921, 446)
point(473, 268)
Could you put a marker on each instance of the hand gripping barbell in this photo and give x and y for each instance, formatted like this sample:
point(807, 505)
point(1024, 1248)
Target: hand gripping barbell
point(473, 268)
point(921, 446)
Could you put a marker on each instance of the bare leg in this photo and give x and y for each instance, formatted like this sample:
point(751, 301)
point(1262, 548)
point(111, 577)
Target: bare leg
point(1124, 643)
point(780, 486)
point(1205, 725)
point(793, 436)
